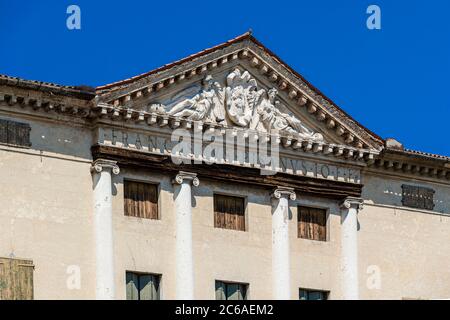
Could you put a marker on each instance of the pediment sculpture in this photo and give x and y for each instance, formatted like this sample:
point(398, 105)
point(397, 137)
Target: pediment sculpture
point(240, 102)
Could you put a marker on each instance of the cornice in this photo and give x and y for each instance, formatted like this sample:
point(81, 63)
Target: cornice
point(294, 142)
point(403, 162)
point(80, 92)
point(44, 102)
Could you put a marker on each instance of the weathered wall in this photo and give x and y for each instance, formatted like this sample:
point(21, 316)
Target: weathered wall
point(221, 254)
point(409, 247)
point(46, 208)
point(46, 216)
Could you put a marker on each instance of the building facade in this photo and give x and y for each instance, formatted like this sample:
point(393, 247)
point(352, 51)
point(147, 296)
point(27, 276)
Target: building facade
point(225, 175)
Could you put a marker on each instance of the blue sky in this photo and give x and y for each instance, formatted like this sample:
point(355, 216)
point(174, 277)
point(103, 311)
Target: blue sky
point(395, 80)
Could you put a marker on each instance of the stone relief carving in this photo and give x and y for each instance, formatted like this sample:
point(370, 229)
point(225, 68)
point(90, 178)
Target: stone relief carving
point(240, 97)
point(206, 105)
point(240, 101)
point(267, 116)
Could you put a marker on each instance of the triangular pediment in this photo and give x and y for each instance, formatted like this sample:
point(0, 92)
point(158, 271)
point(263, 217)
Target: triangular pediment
point(240, 84)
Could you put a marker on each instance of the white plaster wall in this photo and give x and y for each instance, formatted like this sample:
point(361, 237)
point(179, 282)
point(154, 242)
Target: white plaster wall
point(221, 254)
point(410, 248)
point(144, 245)
point(230, 255)
point(387, 190)
point(315, 264)
point(46, 215)
point(45, 209)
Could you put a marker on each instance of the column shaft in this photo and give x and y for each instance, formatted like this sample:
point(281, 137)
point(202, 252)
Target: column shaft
point(102, 170)
point(349, 248)
point(184, 253)
point(280, 243)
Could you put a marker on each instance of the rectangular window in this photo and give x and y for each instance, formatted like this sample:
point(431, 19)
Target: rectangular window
point(16, 279)
point(141, 199)
point(229, 212)
point(307, 294)
point(15, 133)
point(142, 286)
point(312, 223)
point(417, 197)
point(231, 290)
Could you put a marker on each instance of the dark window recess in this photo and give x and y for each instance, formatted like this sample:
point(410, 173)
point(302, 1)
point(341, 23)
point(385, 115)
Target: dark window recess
point(229, 212)
point(141, 199)
point(142, 286)
point(312, 223)
point(15, 133)
point(417, 197)
point(306, 294)
point(231, 290)
point(16, 279)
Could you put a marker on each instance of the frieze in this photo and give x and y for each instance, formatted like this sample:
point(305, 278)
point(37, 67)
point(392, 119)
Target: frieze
point(249, 158)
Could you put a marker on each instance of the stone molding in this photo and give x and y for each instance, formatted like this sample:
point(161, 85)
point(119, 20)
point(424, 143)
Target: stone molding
point(280, 192)
point(185, 177)
point(350, 202)
point(100, 164)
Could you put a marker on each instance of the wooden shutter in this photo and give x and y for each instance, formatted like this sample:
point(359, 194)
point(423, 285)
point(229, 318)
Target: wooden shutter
point(236, 291)
point(15, 133)
point(149, 287)
point(3, 131)
point(16, 279)
point(142, 286)
point(417, 197)
point(229, 212)
point(306, 294)
point(231, 291)
point(220, 291)
point(141, 199)
point(132, 286)
point(312, 223)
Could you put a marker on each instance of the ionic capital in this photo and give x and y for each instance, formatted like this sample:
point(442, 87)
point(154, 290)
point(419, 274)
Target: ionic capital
point(352, 202)
point(186, 177)
point(100, 164)
point(280, 192)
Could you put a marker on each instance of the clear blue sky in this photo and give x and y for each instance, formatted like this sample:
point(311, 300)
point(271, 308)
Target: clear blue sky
point(394, 81)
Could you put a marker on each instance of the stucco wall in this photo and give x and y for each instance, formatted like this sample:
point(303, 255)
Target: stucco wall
point(410, 248)
point(221, 254)
point(46, 216)
point(46, 209)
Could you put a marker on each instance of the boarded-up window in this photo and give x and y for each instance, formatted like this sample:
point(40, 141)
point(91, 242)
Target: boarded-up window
point(308, 294)
point(312, 223)
point(141, 199)
point(417, 197)
point(16, 279)
point(231, 290)
point(229, 212)
point(15, 133)
point(142, 286)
